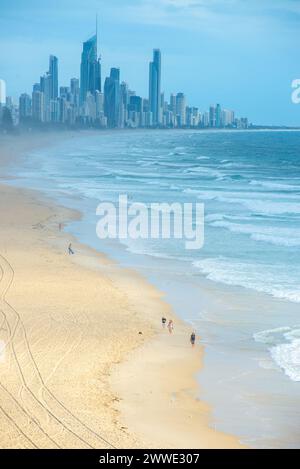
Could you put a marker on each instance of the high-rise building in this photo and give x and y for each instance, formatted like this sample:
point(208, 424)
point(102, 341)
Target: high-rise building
point(45, 86)
point(24, 107)
point(244, 124)
point(90, 107)
point(218, 116)
point(112, 98)
point(181, 109)
point(99, 104)
point(2, 92)
point(74, 88)
point(205, 119)
point(145, 105)
point(38, 112)
point(227, 118)
point(36, 87)
point(9, 103)
point(84, 103)
point(53, 72)
point(55, 110)
point(135, 103)
point(135, 108)
point(212, 116)
point(173, 103)
point(124, 94)
point(62, 109)
point(90, 70)
point(100, 117)
point(192, 117)
point(155, 87)
point(124, 102)
point(10, 109)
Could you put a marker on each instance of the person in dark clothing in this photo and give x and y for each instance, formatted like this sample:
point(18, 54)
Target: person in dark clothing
point(193, 339)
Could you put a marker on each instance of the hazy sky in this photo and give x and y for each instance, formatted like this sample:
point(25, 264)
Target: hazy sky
point(243, 54)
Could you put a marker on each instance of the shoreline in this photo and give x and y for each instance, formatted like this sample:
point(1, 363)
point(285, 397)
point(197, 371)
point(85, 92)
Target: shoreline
point(161, 396)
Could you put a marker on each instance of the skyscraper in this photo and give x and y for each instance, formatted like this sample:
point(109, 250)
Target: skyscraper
point(112, 98)
point(53, 72)
point(218, 116)
point(90, 70)
point(192, 117)
point(45, 87)
point(205, 120)
point(212, 116)
point(155, 87)
point(173, 103)
point(99, 104)
point(38, 110)
point(227, 118)
point(45, 98)
point(74, 87)
point(181, 109)
point(83, 103)
point(124, 100)
point(24, 107)
point(135, 104)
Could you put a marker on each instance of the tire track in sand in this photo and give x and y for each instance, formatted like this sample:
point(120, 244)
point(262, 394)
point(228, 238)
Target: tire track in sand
point(73, 425)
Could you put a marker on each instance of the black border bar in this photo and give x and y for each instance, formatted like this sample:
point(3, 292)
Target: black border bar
point(144, 458)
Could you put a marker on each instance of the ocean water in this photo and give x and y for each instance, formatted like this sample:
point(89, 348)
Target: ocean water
point(241, 291)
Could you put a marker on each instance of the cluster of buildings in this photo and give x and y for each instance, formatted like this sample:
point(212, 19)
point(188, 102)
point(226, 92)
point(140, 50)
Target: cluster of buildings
point(86, 102)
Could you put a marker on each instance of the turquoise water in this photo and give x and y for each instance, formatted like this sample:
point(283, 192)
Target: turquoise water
point(241, 290)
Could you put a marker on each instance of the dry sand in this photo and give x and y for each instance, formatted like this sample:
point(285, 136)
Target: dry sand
point(84, 361)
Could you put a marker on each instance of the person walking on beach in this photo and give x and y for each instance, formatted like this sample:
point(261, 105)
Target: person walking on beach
point(70, 250)
point(163, 321)
point(193, 339)
point(170, 326)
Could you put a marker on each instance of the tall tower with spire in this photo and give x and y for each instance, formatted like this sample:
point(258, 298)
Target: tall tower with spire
point(53, 72)
point(90, 69)
point(155, 87)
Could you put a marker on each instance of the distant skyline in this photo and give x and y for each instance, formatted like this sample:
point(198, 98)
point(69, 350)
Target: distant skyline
point(242, 54)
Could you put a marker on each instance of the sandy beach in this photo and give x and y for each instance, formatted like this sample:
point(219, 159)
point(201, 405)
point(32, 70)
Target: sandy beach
point(84, 361)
